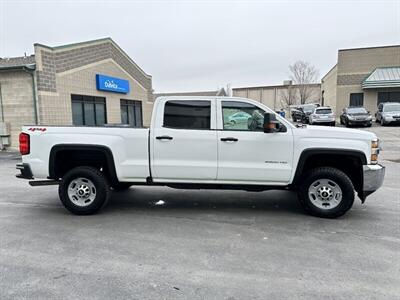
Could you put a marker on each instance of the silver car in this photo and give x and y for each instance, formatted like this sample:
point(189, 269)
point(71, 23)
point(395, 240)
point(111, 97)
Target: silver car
point(388, 113)
point(322, 116)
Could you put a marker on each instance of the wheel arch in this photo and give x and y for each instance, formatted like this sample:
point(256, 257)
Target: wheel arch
point(349, 161)
point(95, 155)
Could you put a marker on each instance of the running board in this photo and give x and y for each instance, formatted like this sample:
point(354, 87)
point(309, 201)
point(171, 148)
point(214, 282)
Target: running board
point(43, 182)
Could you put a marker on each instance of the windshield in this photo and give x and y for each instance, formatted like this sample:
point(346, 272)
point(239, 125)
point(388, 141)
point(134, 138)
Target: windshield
point(357, 110)
point(308, 108)
point(391, 107)
point(323, 111)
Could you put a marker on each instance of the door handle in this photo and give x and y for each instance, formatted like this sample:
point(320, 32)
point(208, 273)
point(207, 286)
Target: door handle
point(164, 137)
point(229, 139)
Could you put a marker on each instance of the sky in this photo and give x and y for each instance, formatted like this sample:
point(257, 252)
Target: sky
point(203, 45)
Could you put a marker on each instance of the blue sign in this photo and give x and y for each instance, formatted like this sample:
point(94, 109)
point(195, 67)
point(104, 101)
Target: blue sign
point(112, 84)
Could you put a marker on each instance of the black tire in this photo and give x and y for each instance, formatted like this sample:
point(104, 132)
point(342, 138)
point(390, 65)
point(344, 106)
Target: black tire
point(121, 186)
point(333, 124)
point(101, 192)
point(337, 177)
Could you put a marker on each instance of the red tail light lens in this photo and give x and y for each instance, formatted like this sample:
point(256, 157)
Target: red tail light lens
point(24, 144)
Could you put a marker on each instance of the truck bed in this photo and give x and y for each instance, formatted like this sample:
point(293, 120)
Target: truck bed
point(127, 145)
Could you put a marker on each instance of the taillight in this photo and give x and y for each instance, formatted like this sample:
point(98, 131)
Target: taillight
point(24, 144)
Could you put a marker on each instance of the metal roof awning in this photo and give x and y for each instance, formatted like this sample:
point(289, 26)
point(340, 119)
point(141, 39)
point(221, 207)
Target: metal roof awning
point(382, 78)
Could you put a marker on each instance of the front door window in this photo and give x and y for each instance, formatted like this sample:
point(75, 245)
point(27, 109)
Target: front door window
point(242, 116)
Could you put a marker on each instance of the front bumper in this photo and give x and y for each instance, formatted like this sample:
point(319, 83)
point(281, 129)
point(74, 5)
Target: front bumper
point(359, 122)
point(26, 172)
point(373, 178)
point(388, 120)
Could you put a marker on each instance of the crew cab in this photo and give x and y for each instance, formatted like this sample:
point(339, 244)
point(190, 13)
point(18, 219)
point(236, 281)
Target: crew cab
point(193, 143)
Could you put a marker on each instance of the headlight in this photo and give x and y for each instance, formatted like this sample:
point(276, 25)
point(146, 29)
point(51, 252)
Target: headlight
point(374, 151)
point(375, 143)
point(350, 117)
point(369, 118)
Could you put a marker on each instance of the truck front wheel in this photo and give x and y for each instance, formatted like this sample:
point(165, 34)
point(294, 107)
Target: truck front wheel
point(84, 190)
point(326, 192)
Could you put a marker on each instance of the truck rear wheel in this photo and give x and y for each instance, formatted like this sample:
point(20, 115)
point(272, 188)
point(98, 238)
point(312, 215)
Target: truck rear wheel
point(326, 192)
point(84, 190)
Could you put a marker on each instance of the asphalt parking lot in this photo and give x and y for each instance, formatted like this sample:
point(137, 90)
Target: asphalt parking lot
point(199, 244)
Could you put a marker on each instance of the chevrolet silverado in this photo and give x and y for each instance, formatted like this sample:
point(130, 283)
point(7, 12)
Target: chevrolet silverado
point(200, 143)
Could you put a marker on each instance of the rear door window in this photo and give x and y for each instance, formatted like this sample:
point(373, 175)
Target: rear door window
point(187, 114)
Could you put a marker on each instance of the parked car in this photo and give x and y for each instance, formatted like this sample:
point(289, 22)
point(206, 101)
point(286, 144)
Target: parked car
point(189, 145)
point(301, 113)
point(354, 115)
point(388, 112)
point(239, 117)
point(322, 115)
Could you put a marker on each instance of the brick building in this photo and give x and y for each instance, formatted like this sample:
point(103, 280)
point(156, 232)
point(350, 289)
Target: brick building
point(90, 83)
point(363, 77)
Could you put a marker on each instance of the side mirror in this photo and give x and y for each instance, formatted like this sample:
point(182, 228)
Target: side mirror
point(270, 123)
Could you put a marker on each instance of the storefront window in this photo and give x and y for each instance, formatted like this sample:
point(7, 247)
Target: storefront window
point(88, 110)
point(388, 97)
point(131, 113)
point(356, 99)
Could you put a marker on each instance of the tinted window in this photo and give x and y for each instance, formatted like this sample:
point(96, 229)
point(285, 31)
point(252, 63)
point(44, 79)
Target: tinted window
point(131, 112)
point(185, 114)
point(323, 111)
point(242, 116)
point(100, 111)
point(77, 113)
point(388, 97)
point(89, 114)
point(88, 110)
point(356, 99)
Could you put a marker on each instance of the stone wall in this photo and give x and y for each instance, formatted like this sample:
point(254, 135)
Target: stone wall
point(17, 100)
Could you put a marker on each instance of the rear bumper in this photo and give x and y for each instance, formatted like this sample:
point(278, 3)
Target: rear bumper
point(373, 178)
point(26, 172)
point(323, 121)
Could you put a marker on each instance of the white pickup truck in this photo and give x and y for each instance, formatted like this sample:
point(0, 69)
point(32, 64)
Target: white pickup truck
point(205, 143)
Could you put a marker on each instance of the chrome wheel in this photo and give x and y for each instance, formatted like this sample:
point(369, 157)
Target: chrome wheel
point(325, 193)
point(82, 192)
